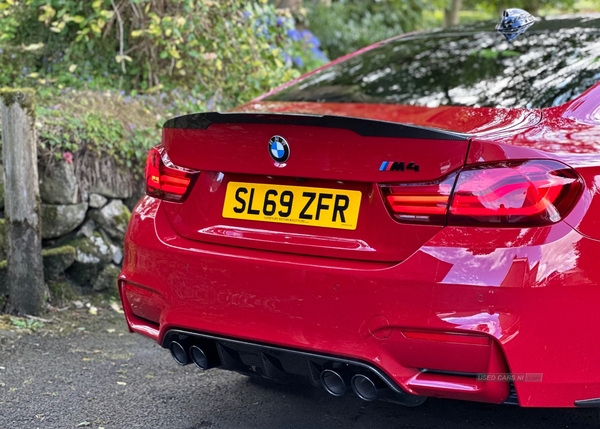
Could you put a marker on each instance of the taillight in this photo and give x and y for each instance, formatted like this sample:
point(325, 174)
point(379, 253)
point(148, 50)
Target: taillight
point(537, 192)
point(166, 180)
point(419, 202)
point(525, 193)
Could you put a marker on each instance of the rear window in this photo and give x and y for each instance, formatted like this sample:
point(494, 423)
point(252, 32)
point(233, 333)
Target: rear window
point(545, 67)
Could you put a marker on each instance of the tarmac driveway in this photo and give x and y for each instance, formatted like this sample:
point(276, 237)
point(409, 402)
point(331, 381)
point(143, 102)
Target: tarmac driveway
point(95, 374)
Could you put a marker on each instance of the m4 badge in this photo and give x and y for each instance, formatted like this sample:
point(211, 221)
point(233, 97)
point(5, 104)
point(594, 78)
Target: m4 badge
point(399, 166)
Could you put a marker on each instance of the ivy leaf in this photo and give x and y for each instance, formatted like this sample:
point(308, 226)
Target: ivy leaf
point(174, 53)
point(33, 47)
point(120, 58)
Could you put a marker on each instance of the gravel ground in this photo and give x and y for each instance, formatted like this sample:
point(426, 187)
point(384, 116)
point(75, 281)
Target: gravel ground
point(95, 374)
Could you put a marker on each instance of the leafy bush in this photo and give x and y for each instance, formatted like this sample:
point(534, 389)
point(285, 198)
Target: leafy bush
point(109, 72)
point(348, 25)
point(17, 63)
point(229, 50)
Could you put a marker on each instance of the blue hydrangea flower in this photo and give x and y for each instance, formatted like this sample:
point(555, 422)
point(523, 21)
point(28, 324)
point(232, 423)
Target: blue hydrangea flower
point(319, 54)
point(211, 103)
point(287, 59)
point(294, 35)
point(311, 38)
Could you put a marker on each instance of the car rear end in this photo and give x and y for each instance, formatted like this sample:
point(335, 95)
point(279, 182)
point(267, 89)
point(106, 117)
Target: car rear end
point(420, 280)
point(396, 260)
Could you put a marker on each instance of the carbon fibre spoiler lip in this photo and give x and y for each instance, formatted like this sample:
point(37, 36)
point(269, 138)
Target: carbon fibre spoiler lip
point(361, 126)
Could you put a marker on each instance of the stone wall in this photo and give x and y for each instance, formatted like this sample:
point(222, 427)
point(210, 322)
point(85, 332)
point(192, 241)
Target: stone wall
point(86, 205)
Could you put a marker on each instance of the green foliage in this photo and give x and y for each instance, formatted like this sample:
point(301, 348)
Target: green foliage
point(348, 25)
point(108, 72)
point(121, 126)
point(535, 7)
point(16, 62)
point(232, 50)
point(22, 323)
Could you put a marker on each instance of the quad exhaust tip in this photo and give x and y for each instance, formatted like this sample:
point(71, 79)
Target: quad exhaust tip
point(179, 354)
point(366, 387)
point(199, 357)
point(334, 382)
point(339, 378)
point(185, 352)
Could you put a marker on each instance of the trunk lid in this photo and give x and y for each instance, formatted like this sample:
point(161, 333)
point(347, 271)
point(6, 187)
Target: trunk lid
point(340, 160)
point(475, 121)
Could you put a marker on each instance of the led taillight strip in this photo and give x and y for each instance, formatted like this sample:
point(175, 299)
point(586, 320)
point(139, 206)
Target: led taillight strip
point(524, 193)
point(418, 204)
point(166, 180)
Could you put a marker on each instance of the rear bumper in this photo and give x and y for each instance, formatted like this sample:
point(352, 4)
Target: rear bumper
point(469, 302)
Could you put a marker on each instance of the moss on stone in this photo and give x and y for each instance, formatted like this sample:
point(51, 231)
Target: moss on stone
point(85, 245)
point(60, 292)
point(25, 97)
point(63, 250)
point(122, 220)
point(107, 280)
point(92, 254)
point(59, 220)
point(49, 213)
point(57, 260)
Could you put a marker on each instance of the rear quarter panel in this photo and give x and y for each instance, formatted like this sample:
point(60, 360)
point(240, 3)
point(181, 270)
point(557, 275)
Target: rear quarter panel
point(569, 133)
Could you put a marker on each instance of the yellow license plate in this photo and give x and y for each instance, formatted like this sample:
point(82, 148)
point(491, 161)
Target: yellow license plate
point(328, 208)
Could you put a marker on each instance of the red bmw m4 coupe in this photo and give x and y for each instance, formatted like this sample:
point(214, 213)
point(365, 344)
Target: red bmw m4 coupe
point(419, 218)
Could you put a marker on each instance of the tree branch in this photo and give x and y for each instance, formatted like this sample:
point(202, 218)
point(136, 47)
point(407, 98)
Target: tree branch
point(120, 21)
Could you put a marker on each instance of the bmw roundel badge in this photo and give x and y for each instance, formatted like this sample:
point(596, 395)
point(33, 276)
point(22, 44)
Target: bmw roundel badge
point(279, 150)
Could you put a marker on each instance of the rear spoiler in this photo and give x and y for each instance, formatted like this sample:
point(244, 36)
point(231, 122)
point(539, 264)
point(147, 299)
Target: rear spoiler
point(361, 126)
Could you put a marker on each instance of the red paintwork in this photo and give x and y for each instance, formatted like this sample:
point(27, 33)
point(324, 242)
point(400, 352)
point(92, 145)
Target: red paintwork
point(457, 387)
point(377, 238)
point(529, 294)
point(452, 118)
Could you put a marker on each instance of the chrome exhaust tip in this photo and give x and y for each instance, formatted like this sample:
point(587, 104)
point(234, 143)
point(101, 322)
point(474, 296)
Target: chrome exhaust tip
point(179, 354)
point(335, 383)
